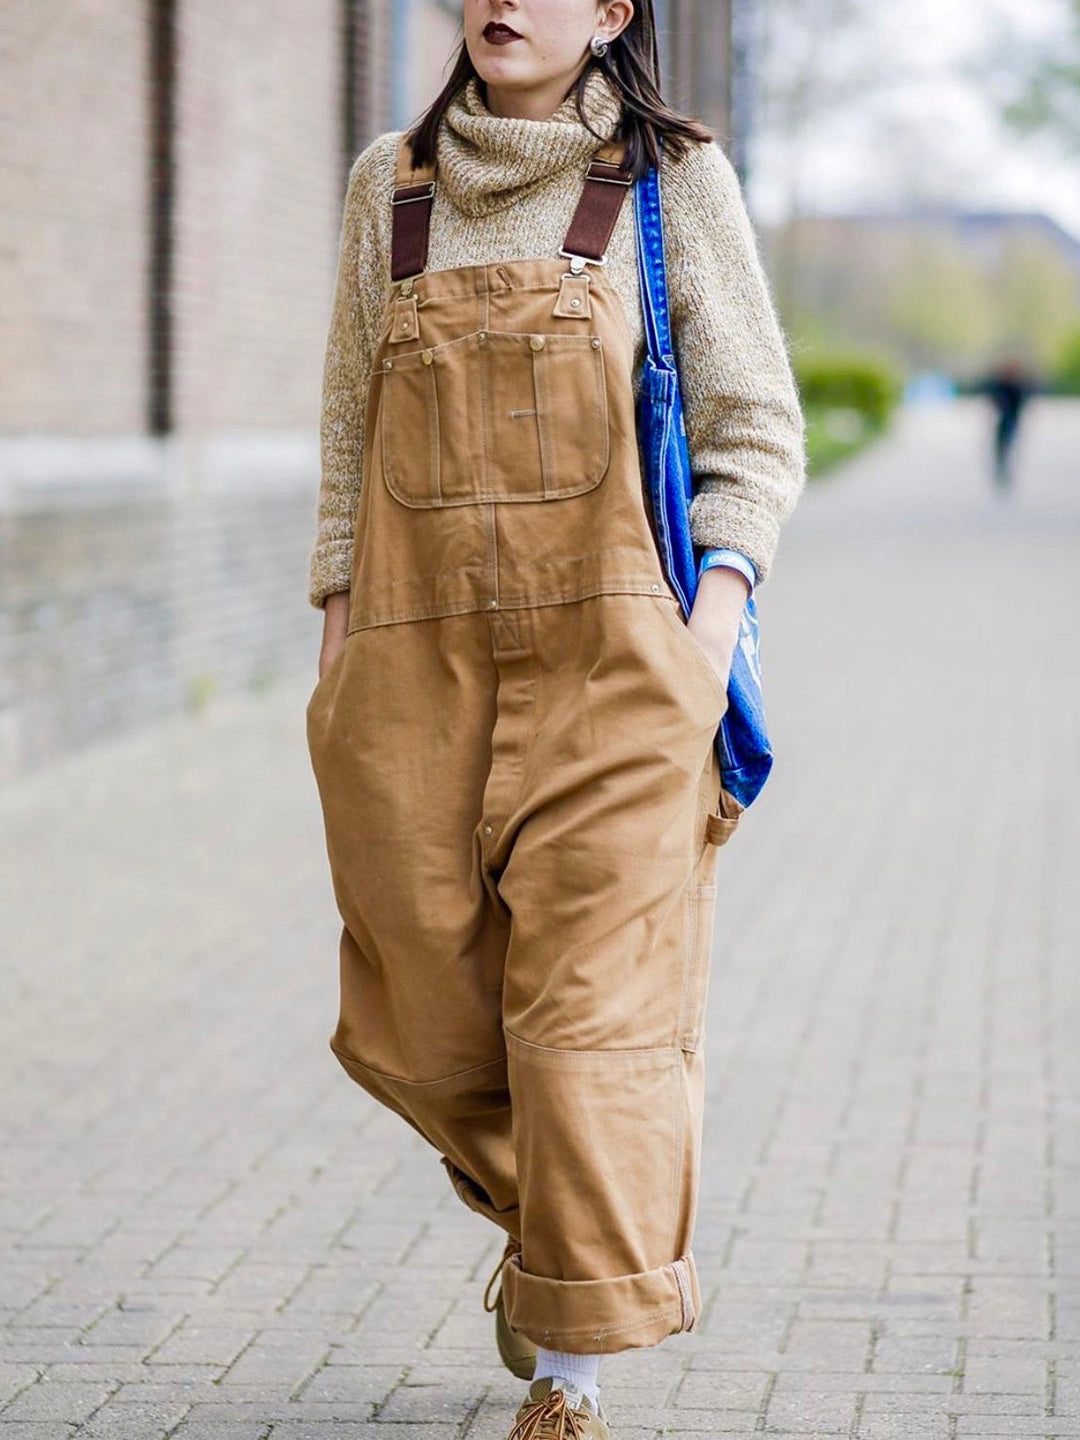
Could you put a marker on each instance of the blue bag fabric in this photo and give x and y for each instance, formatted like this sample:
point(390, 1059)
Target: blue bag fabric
point(742, 741)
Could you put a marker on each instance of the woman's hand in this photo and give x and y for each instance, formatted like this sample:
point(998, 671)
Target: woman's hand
point(335, 626)
point(715, 615)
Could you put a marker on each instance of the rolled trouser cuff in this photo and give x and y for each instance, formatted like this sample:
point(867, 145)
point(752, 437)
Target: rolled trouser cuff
point(593, 1317)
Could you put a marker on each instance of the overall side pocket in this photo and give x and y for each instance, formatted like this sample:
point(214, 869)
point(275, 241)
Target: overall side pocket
point(700, 657)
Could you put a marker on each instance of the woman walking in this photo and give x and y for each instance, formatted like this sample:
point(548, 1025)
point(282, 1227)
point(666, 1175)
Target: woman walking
point(512, 730)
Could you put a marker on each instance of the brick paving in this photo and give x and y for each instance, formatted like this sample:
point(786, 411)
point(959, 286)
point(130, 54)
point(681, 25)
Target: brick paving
point(208, 1232)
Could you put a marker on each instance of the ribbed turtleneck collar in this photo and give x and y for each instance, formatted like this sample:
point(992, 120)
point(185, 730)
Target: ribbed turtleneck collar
point(488, 162)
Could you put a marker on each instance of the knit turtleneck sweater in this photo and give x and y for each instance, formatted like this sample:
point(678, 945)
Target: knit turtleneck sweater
point(507, 189)
point(488, 163)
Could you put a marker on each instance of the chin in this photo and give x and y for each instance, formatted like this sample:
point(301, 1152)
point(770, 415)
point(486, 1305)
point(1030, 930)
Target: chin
point(500, 70)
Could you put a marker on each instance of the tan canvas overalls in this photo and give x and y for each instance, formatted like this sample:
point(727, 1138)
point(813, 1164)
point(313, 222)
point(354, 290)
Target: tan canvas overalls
point(514, 756)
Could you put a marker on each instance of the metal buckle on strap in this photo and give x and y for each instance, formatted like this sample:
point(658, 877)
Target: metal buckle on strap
point(578, 262)
point(406, 199)
point(611, 179)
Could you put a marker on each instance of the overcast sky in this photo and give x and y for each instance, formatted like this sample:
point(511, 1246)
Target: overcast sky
point(924, 129)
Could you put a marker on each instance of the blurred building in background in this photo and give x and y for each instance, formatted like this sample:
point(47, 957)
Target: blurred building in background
point(939, 289)
point(171, 181)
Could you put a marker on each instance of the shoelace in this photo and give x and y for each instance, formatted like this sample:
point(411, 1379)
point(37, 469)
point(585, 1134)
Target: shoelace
point(549, 1419)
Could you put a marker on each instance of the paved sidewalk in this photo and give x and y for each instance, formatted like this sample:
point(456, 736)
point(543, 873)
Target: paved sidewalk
point(206, 1231)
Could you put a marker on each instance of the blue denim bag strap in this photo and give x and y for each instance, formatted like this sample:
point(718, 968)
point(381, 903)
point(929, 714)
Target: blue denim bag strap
point(742, 740)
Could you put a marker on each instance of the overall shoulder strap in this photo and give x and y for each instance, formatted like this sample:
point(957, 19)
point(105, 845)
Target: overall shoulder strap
point(602, 195)
point(414, 193)
point(601, 199)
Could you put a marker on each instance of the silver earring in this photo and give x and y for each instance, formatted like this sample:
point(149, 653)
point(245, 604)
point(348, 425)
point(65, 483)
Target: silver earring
point(599, 46)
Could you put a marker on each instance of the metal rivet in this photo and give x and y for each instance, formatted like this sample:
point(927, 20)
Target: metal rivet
point(487, 829)
point(388, 364)
point(575, 303)
point(482, 335)
point(404, 325)
point(536, 342)
point(596, 342)
point(493, 604)
point(655, 588)
point(426, 356)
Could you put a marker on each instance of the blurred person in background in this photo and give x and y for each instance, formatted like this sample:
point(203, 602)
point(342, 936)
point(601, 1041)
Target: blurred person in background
point(512, 729)
point(1008, 388)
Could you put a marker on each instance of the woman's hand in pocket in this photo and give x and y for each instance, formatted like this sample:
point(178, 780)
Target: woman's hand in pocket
point(715, 616)
point(335, 628)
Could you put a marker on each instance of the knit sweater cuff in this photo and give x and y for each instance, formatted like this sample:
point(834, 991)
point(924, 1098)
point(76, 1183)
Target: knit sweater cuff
point(723, 521)
point(331, 570)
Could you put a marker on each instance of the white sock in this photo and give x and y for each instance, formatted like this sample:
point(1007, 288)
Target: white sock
point(581, 1370)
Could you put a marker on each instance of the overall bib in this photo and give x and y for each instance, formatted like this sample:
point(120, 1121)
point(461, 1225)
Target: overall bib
point(515, 762)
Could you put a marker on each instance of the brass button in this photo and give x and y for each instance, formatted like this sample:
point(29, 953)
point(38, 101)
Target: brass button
point(426, 356)
point(536, 342)
point(596, 342)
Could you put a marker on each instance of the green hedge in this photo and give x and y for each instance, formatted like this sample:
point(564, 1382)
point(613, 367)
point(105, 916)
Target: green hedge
point(1066, 378)
point(848, 399)
point(850, 382)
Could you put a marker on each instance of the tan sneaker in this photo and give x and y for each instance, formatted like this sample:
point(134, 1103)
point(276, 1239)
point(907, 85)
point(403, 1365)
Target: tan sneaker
point(557, 1410)
point(516, 1351)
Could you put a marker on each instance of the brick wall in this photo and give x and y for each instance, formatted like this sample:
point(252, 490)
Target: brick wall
point(168, 236)
point(142, 573)
point(73, 217)
point(258, 120)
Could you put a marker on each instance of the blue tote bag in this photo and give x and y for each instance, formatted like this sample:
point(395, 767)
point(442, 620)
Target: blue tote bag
point(742, 741)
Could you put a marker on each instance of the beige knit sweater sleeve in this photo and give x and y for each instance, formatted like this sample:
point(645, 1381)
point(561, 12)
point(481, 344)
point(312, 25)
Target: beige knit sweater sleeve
point(350, 348)
point(744, 424)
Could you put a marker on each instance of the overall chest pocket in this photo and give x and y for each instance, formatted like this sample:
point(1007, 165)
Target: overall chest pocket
point(495, 415)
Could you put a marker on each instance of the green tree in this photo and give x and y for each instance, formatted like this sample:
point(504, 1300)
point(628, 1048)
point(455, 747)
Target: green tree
point(1048, 100)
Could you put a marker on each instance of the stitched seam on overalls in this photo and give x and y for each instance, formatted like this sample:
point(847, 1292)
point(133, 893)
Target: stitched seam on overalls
point(485, 396)
point(529, 743)
point(542, 401)
point(699, 895)
point(677, 1141)
point(540, 288)
point(678, 1080)
point(659, 1312)
point(499, 497)
point(469, 607)
point(601, 410)
point(629, 585)
point(596, 1054)
point(433, 432)
point(415, 1084)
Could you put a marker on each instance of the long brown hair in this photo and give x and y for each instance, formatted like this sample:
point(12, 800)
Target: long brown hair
point(632, 63)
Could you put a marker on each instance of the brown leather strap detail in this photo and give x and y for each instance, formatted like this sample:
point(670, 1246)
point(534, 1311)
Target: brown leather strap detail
point(602, 195)
point(414, 194)
point(601, 199)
